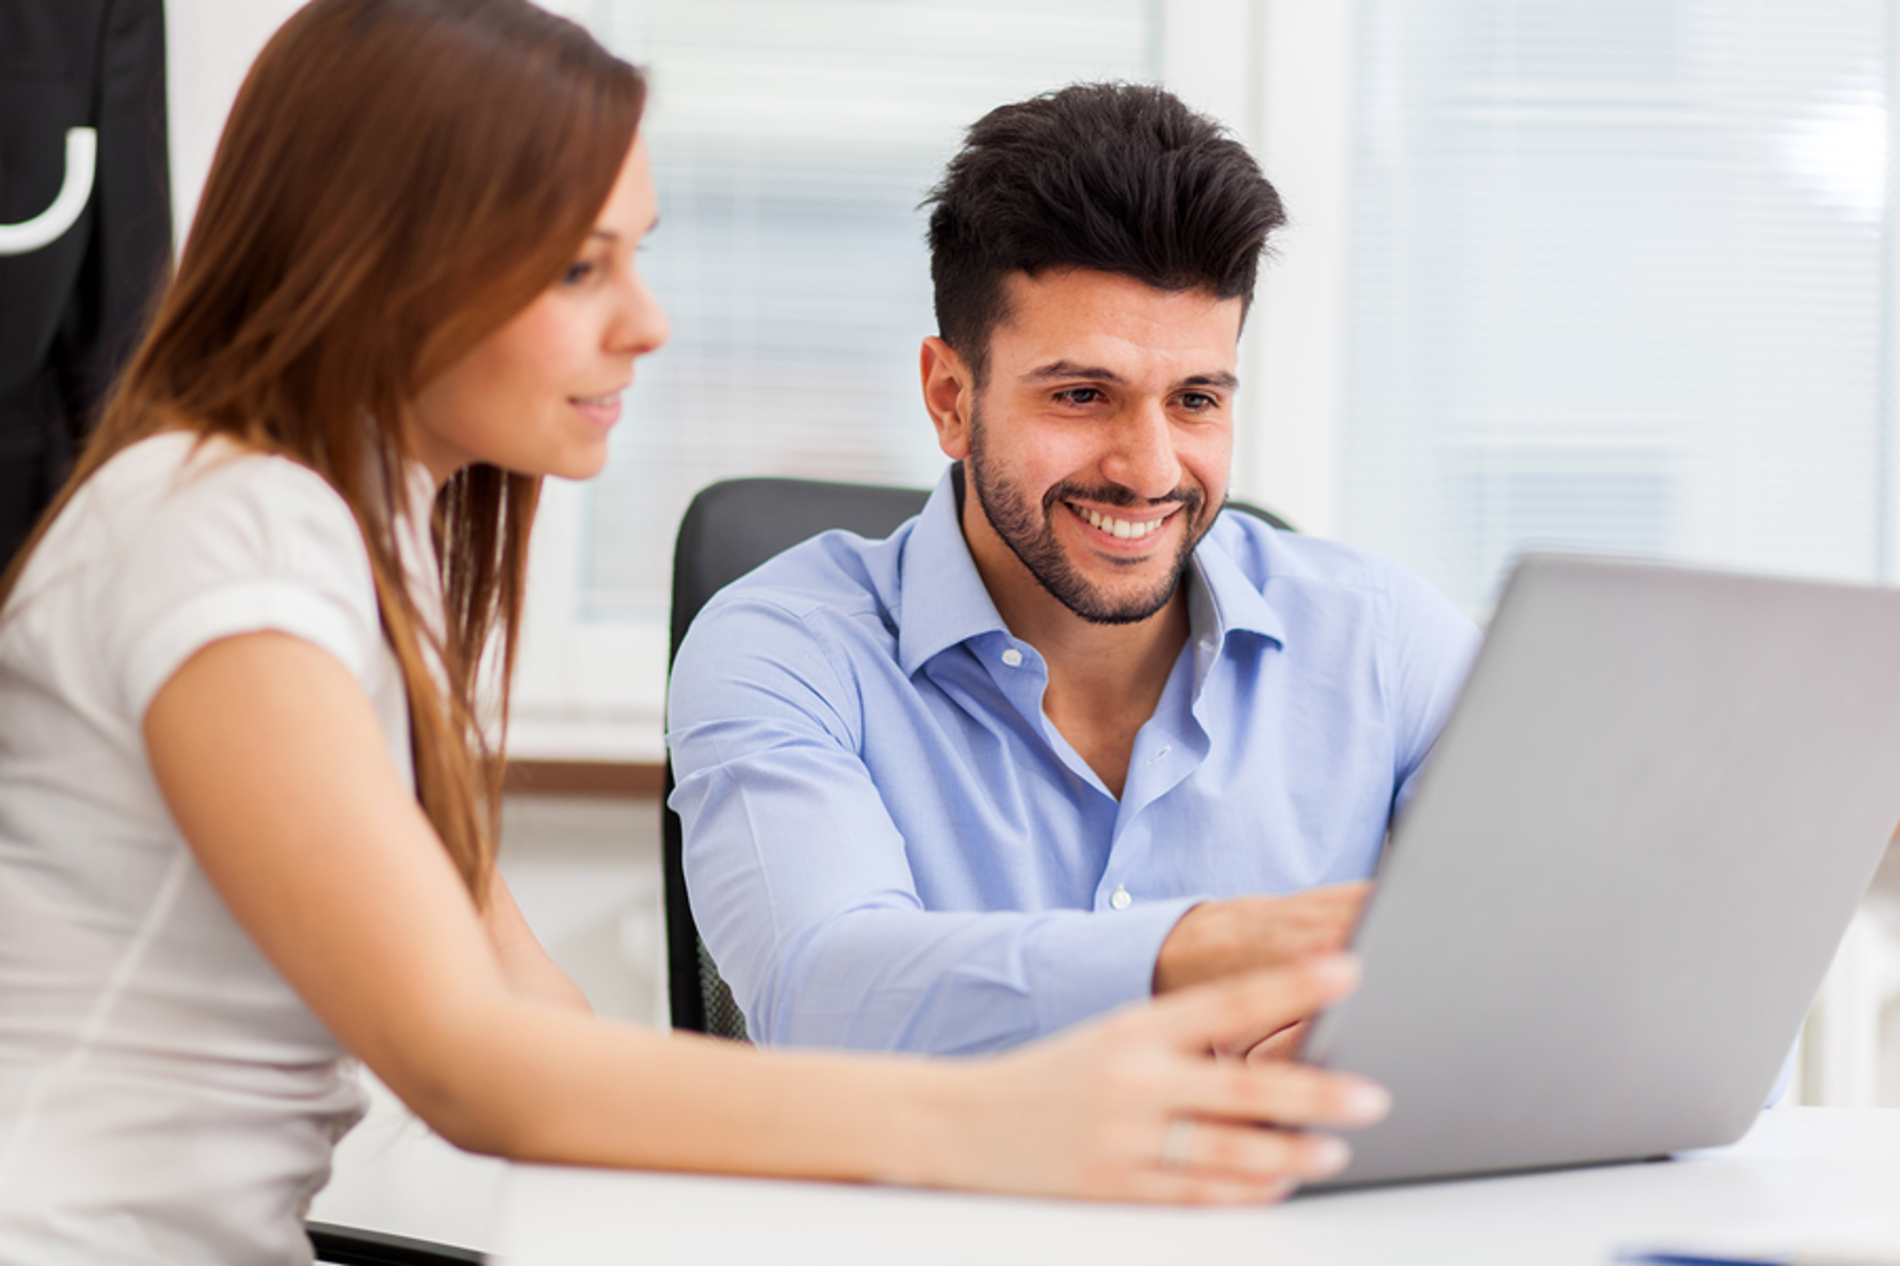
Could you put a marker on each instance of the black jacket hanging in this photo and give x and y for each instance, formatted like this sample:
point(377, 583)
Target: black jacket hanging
point(72, 309)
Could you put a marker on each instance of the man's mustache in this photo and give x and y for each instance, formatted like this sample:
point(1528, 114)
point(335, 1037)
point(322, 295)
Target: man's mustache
point(1116, 495)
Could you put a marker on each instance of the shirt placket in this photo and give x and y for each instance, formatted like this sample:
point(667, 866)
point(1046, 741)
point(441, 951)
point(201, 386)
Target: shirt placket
point(1169, 748)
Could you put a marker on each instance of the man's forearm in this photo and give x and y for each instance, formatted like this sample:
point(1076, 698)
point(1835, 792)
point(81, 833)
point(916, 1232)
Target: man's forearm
point(953, 983)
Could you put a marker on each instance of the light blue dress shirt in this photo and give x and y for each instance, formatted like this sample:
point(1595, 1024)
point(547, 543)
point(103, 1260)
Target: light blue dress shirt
point(890, 847)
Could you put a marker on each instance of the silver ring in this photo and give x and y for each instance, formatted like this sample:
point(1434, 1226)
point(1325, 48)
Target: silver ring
point(1175, 1143)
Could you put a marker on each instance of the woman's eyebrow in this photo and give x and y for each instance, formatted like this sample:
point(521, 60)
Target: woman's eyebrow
point(613, 235)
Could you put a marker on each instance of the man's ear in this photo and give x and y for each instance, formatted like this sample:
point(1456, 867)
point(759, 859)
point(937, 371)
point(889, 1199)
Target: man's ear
point(949, 394)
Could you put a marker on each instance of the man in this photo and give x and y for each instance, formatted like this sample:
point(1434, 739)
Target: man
point(1072, 735)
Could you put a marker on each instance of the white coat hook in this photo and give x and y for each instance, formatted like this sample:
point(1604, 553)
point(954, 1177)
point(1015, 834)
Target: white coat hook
point(82, 156)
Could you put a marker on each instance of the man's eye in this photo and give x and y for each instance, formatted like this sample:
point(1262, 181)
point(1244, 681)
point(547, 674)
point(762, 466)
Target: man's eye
point(1198, 401)
point(1080, 395)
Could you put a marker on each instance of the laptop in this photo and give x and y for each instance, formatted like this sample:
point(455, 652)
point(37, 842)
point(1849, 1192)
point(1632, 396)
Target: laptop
point(1626, 868)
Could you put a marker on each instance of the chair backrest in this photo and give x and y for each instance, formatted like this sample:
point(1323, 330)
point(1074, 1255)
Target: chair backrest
point(730, 528)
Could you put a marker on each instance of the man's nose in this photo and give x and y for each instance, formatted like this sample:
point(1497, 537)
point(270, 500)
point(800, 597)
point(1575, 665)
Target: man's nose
point(1142, 458)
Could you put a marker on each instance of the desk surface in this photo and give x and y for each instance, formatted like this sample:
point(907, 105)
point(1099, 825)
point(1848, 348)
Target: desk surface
point(1804, 1177)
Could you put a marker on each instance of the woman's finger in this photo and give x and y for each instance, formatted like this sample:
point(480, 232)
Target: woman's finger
point(1237, 1013)
point(1247, 1153)
point(1278, 1093)
point(1280, 1046)
point(1156, 1187)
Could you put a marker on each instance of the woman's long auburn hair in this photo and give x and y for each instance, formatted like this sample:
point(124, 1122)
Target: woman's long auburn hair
point(397, 179)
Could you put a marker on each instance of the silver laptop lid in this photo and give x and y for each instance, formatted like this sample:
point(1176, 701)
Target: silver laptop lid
point(1646, 825)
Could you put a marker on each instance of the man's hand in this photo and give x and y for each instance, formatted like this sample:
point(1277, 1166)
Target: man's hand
point(1242, 934)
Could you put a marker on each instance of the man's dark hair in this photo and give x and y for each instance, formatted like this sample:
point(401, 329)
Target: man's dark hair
point(1118, 178)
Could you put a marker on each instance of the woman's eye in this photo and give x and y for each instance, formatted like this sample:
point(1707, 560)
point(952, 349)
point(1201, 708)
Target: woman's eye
point(578, 271)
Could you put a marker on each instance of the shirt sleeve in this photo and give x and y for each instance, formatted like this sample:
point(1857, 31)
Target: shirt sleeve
point(1429, 649)
point(237, 545)
point(800, 881)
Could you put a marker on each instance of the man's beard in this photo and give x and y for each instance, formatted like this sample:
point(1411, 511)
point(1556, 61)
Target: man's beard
point(1029, 531)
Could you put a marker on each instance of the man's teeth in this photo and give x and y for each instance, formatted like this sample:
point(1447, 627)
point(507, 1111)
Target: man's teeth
point(1120, 527)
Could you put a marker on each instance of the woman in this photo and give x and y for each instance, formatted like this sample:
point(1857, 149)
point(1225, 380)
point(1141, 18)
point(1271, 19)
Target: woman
point(246, 810)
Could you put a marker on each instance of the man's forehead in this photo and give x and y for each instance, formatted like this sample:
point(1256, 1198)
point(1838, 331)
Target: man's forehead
point(1077, 322)
point(1125, 285)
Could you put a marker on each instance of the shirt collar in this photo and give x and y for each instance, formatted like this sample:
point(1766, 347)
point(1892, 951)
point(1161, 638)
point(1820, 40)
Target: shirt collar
point(945, 602)
point(1227, 600)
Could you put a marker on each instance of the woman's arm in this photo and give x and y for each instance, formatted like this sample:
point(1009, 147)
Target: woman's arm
point(280, 779)
point(529, 970)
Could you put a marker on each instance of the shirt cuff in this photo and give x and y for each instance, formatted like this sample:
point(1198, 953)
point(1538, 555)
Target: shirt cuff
point(1089, 965)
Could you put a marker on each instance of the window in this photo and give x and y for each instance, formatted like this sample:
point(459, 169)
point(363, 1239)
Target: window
point(1617, 278)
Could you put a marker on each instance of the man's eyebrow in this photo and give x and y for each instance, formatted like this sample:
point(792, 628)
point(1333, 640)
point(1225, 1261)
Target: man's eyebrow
point(1220, 380)
point(1069, 369)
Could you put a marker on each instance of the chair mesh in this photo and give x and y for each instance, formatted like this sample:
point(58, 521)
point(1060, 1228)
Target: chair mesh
point(723, 1017)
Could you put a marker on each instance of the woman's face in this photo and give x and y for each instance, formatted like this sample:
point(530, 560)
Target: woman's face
point(539, 395)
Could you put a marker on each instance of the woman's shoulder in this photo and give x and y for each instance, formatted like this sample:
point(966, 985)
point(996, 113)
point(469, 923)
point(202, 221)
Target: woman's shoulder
point(180, 465)
point(179, 539)
point(182, 512)
point(182, 493)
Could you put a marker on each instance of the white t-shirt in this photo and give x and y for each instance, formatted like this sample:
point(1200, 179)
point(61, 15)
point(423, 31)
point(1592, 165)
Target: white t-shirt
point(164, 1095)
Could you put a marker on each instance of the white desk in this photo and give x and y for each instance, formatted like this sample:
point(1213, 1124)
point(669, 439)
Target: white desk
point(1803, 1176)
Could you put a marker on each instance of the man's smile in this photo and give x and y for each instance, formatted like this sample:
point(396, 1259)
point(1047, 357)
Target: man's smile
point(1119, 528)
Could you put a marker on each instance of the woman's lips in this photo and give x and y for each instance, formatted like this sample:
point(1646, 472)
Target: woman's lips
point(600, 410)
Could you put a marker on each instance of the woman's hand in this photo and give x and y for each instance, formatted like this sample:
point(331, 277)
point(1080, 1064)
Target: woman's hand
point(1135, 1106)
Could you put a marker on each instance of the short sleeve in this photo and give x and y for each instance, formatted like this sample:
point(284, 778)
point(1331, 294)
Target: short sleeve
point(230, 545)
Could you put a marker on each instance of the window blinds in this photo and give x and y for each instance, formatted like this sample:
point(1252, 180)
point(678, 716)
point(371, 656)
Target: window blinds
point(1618, 278)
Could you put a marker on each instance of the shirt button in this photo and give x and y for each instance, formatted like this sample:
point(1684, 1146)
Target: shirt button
point(1120, 898)
point(1013, 657)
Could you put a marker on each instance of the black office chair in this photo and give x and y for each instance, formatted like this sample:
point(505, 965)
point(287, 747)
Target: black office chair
point(730, 528)
point(349, 1246)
